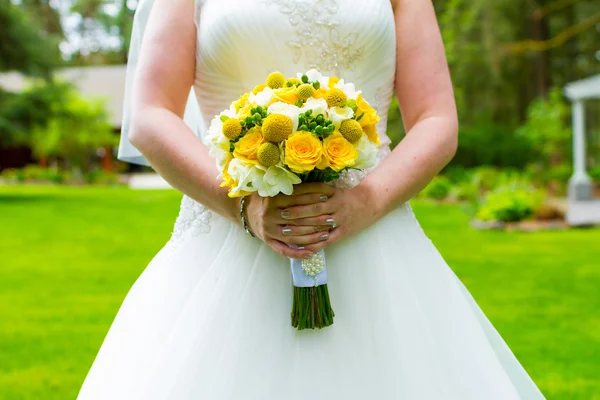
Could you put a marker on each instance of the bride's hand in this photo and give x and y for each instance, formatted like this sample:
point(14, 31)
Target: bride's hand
point(346, 212)
point(268, 219)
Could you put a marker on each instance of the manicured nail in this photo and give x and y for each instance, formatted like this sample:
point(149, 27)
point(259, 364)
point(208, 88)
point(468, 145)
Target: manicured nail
point(286, 231)
point(330, 222)
point(308, 256)
point(324, 198)
point(325, 236)
point(285, 214)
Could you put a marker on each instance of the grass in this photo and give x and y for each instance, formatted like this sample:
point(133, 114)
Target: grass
point(69, 255)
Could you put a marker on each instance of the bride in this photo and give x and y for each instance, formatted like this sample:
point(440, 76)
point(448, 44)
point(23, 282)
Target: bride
point(209, 317)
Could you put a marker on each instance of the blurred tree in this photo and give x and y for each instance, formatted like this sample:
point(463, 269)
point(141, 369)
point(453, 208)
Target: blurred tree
point(101, 19)
point(24, 47)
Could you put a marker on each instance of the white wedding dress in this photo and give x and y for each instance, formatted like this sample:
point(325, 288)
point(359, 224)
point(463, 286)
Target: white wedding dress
point(210, 316)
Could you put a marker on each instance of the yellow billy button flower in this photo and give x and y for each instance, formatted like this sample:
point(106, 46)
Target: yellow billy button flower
point(232, 128)
point(276, 80)
point(277, 127)
point(372, 134)
point(258, 89)
point(268, 154)
point(351, 130)
point(339, 152)
point(305, 91)
point(336, 98)
point(304, 152)
point(246, 148)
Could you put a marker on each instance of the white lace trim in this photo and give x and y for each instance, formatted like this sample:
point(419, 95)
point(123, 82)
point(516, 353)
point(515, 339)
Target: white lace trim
point(193, 220)
point(317, 39)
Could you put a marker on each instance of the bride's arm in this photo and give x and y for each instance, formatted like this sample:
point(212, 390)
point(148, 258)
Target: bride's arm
point(165, 74)
point(426, 98)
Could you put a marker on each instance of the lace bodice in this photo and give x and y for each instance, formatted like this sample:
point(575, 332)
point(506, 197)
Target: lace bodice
point(241, 41)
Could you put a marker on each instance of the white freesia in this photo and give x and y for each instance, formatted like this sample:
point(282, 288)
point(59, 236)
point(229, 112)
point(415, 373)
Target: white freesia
point(214, 135)
point(318, 106)
point(349, 89)
point(245, 175)
point(288, 110)
point(367, 153)
point(221, 157)
point(262, 98)
point(276, 180)
point(315, 76)
point(339, 114)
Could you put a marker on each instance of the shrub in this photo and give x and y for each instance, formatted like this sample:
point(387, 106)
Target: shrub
point(510, 203)
point(101, 177)
point(595, 174)
point(438, 189)
point(547, 128)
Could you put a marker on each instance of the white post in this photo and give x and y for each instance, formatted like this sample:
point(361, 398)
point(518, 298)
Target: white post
point(580, 184)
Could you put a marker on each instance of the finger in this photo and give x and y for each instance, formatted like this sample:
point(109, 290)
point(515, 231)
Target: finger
point(291, 230)
point(307, 239)
point(317, 187)
point(307, 211)
point(329, 220)
point(287, 251)
point(283, 201)
point(334, 236)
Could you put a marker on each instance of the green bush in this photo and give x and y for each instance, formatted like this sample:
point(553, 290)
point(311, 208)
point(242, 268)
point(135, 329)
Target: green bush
point(595, 174)
point(13, 175)
point(438, 189)
point(547, 129)
point(35, 173)
point(510, 203)
point(101, 177)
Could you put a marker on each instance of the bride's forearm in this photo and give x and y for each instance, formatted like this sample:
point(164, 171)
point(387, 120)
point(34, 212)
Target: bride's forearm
point(427, 148)
point(180, 158)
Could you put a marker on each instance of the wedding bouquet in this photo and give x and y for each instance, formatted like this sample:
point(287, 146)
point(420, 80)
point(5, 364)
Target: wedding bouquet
point(309, 128)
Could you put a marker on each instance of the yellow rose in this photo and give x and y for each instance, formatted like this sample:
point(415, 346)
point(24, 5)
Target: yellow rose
point(339, 152)
point(228, 181)
point(372, 134)
point(319, 94)
point(304, 152)
point(333, 80)
point(242, 102)
point(287, 95)
point(246, 148)
point(370, 116)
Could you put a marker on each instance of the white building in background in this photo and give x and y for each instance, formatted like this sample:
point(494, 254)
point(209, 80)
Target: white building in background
point(583, 209)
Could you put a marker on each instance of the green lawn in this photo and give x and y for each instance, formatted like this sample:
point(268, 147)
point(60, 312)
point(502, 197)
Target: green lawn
point(69, 255)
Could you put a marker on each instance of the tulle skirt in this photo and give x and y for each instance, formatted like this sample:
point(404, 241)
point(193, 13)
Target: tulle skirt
point(210, 319)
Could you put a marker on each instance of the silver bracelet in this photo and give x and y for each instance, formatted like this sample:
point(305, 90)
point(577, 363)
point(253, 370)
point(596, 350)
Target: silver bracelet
point(243, 216)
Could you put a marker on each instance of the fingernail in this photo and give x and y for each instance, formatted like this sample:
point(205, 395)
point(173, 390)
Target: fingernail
point(324, 198)
point(286, 231)
point(285, 214)
point(301, 248)
point(308, 256)
point(330, 222)
point(325, 236)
